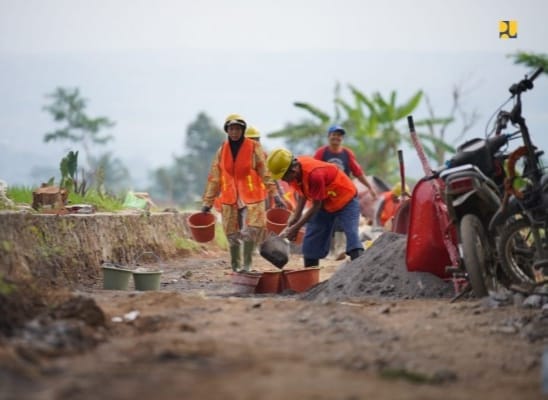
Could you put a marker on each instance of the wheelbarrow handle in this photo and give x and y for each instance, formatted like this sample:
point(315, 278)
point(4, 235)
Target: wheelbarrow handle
point(411, 123)
point(150, 253)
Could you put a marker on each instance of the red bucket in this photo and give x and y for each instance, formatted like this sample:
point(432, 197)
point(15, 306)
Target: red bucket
point(270, 282)
point(300, 236)
point(301, 280)
point(276, 219)
point(202, 226)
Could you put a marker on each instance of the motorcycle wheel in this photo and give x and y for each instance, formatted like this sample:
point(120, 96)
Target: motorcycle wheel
point(517, 251)
point(475, 253)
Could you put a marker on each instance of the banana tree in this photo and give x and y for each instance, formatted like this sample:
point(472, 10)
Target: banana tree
point(372, 124)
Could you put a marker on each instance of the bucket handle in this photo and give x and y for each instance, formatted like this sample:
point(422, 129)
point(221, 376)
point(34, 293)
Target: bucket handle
point(138, 258)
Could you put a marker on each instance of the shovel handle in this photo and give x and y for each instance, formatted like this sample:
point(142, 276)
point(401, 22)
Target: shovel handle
point(402, 171)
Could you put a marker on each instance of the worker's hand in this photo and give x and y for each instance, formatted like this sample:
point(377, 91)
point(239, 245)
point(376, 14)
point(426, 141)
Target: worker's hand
point(289, 232)
point(279, 202)
point(373, 195)
point(206, 209)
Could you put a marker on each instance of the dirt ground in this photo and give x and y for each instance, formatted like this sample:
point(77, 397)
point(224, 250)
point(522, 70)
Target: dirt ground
point(196, 339)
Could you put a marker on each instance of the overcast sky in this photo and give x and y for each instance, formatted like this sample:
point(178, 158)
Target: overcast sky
point(113, 25)
point(151, 66)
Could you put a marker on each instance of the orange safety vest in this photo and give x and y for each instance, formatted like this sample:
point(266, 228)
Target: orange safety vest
point(339, 192)
point(389, 207)
point(238, 177)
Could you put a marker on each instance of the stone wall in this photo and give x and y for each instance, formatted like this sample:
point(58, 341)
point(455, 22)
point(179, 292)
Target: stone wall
point(69, 249)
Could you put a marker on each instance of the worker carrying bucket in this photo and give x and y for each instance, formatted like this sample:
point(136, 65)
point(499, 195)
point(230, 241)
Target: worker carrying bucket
point(238, 177)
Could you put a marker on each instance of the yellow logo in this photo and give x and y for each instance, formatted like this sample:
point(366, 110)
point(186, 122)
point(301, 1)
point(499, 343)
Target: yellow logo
point(508, 29)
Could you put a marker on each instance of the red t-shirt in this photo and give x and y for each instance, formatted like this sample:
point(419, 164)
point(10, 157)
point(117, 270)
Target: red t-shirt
point(346, 158)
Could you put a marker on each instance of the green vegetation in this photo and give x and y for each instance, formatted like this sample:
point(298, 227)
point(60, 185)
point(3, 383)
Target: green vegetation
point(101, 202)
point(20, 194)
point(183, 243)
point(5, 287)
point(220, 237)
point(414, 376)
point(184, 180)
point(374, 127)
point(102, 171)
point(532, 60)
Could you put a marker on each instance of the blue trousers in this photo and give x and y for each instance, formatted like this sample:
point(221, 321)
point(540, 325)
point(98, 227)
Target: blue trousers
point(319, 230)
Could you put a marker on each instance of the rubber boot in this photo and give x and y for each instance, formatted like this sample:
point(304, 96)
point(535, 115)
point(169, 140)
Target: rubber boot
point(355, 253)
point(249, 247)
point(235, 257)
point(311, 262)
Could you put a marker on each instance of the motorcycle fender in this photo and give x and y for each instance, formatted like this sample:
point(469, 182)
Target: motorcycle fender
point(459, 201)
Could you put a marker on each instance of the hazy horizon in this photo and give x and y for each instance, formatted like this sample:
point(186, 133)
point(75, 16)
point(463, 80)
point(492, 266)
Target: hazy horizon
point(152, 69)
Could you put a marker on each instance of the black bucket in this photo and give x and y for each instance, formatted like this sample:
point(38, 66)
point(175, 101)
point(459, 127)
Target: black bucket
point(275, 250)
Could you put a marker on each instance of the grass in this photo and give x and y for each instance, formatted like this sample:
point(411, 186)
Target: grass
point(184, 243)
point(101, 202)
point(220, 237)
point(22, 194)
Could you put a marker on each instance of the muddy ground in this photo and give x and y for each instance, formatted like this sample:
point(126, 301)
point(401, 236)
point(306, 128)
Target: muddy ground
point(197, 339)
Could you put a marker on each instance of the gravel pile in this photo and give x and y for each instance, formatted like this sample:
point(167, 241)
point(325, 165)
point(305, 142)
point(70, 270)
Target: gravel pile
point(381, 271)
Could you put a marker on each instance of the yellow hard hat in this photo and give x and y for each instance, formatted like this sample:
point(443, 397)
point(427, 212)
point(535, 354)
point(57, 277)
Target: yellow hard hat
point(278, 162)
point(252, 132)
point(396, 189)
point(234, 119)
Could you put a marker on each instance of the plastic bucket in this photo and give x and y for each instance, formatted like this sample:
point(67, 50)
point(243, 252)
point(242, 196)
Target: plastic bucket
point(202, 226)
point(115, 278)
point(245, 282)
point(270, 282)
point(147, 280)
point(276, 219)
point(300, 236)
point(301, 280)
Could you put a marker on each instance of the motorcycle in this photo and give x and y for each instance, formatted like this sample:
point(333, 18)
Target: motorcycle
point(522, 218)
point(472, 194)
point(451, 209)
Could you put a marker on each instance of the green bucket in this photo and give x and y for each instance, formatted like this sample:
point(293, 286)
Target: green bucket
point(147, 280)
point(115, 278)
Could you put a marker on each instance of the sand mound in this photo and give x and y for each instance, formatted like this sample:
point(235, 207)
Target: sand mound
point(381, 271)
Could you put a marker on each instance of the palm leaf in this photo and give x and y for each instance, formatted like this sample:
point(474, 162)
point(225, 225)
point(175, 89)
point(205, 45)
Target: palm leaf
point(408, 108)
point(324, 117)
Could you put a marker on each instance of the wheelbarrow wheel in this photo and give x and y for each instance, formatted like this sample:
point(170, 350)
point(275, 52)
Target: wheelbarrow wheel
point(475, 253)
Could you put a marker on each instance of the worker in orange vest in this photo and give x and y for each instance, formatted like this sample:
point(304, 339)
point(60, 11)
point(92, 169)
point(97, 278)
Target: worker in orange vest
point(333, 197)
point(239, 177)
point(344, 158)
point(275, 193)
point(389, 204)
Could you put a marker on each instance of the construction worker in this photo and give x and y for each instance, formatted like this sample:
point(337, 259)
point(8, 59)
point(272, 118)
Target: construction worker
point(238, 176)
point(389, 204)
point(333, 196)
point(275, 196)
point(334, 152)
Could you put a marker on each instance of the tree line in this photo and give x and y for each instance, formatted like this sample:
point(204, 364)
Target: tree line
point(375, 125)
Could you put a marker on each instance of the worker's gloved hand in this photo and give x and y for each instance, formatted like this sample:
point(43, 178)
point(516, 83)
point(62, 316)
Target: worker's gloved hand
point(206, 209)
point(279, 202)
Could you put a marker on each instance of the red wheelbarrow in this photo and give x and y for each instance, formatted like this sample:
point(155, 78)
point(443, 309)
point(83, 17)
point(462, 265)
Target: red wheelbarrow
point(431, 237)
